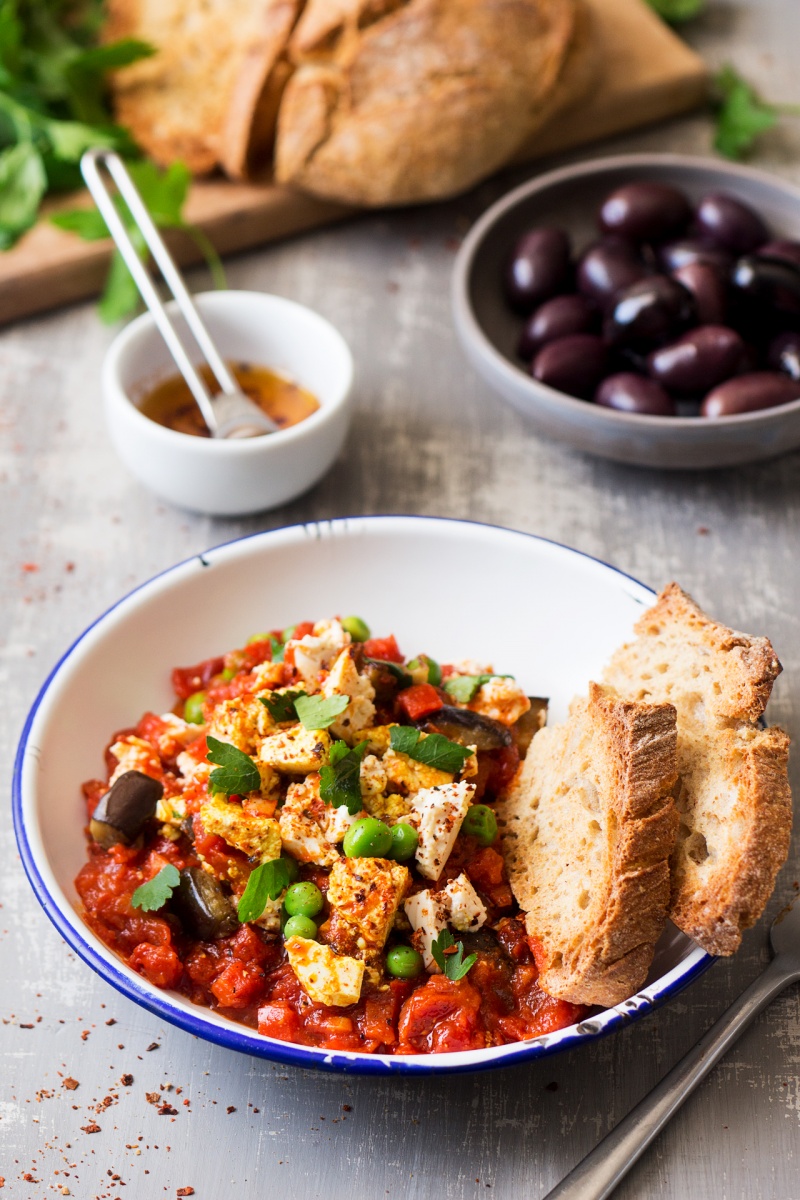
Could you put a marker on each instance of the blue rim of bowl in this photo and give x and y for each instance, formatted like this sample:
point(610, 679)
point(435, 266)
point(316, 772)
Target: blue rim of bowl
point(470, 330)
point(243, 1040)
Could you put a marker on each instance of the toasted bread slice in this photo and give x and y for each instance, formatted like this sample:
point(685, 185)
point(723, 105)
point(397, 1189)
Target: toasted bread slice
point(734, 800)
point(588, 828)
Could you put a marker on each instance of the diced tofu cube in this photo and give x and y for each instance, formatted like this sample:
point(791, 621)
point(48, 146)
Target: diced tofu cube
point(468, 666)
point(364, 894)
point(412, 776)
point(134, 754)
point(338, 822)
point(302, 822)
point(172, 811)
point(467, 912)
point(501, 699)
point(242, 721)
point(344, 680)
point(326, 977)
point(268, 675)
point(390, 808)
point(257, 837)
point(373, 776)
point(428, 913)
point(439, 812)
point(297, 750)
point(317, 651)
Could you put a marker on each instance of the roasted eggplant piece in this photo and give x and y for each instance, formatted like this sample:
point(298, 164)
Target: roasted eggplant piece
point(467, 728)
point(203, 908)
point(127, 806)
point(530, 723)
point(387, 678)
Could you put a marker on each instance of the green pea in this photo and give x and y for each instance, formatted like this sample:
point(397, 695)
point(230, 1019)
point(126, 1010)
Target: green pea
point(368, 838)
point(404, 962)
point(288, 633)
point(257, 637)
point(300, 926)
point(358, 629)
point(480, 823)
point(228, 674)
point(404, 842)
point(303, 900)
point(292, 866)
point(193, 708)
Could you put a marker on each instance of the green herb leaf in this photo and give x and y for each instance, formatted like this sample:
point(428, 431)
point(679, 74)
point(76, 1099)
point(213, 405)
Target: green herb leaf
point(120, 295)
point(741, 115)
point(277, 648)
point(676, 11)
point(23, 181)
point(281, 705)
point(340, 782)
point(86, 222)
point(266, 882)
point(464, 687)
point(236, 773)
point(454, 966)
point(317, 712)
point(116, 54)
point(156, 892)
point(435, 750)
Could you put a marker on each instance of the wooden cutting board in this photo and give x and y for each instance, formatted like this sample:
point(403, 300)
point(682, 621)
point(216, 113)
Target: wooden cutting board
point(645, 74)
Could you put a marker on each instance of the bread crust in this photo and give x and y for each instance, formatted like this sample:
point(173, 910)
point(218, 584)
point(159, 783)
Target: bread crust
point(734, 799)
point(622, 755)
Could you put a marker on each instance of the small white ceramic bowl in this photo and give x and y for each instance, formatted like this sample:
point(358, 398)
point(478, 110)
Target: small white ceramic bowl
point(569, 198)
point(551, 615)
point(237, 476)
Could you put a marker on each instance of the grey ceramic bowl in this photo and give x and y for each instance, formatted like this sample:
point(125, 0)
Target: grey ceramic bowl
point(569, 198)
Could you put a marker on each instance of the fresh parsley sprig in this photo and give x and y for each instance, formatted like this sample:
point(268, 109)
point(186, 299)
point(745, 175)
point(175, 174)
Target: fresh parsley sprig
point(340, 782)
point(435, 750)
point(281, 705)
point(154, 894)
point(266, 882)
point(453, 965)
point(318, 712)
point(236, 774)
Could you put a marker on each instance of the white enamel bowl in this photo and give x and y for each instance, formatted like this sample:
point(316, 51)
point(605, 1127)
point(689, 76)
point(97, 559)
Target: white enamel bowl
point(569, 198)
point(231, 477)
point(549, 614)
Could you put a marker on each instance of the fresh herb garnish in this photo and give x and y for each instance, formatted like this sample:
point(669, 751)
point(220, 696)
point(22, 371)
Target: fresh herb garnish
point(236, 773)
point(156, 892)
point(741, 115)
point(435, 750)
point(277, 647)
point(266, 882)
point(676, 11)
point(454, 966)
point(340, 781)
point(318, 712)
point(281, 705)
point(464, 687)
point(434, 670)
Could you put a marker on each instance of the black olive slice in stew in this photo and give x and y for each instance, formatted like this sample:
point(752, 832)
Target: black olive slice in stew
point(530, 723)
point(127, 806)
point(467, 728)
point(202, 906)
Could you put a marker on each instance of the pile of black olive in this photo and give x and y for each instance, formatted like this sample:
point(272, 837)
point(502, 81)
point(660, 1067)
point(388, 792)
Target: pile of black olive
point(674, 309)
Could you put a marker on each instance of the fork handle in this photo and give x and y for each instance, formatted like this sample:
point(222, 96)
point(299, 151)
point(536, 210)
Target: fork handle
point(604, 1167)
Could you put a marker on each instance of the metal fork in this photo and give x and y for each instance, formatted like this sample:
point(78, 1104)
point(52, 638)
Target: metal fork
point(599, 1173)
point(228, 414)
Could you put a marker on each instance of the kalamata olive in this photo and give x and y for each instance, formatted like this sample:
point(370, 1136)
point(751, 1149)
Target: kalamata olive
point(747, 393)
point(468, 728)
point(557, 318)
point(771, 281)
point(650, 312)
point(607, 267)
point(781, 248)
point(729, 223)
point(120, 815)
point(644, 211)
point(698, 360)
point(204, 910)
point(538, 269)
point(631, 393)
point(530, 723)
point(574, 364)
point(709, 288)
point(784, 354)
point(673, 255)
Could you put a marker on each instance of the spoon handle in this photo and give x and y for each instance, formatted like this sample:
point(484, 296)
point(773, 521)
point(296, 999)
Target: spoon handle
point(604, 1167)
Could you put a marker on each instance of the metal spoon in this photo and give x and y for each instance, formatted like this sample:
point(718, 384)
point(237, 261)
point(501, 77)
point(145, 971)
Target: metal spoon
point(599, 1173)
point(228, 414)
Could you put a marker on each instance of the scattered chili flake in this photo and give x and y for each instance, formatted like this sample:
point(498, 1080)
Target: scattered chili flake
point(154, 1046)
point(126, 1080)
point(231, 1108)
point(85, 1034)
point(26, 1026)
point(111, 1021)
point(551, 1087)
point(703, 530)
point(166, 1110)
point(70, 1084)
point(30, 567)
point(185, 1191)
point(92, 1127)
point(347, 1108)
point(153, 1097)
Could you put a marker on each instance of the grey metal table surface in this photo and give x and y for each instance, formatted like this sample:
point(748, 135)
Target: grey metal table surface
point(428, 438)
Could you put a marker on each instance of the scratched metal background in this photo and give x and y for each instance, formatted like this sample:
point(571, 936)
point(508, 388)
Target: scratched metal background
point(428, 438)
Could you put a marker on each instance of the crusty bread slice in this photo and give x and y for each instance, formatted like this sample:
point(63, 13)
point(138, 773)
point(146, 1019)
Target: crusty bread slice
point(734, 800)
point(588, 827)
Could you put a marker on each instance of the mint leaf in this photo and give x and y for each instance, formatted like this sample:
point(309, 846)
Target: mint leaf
point(741, 115)
point(236, 773)
point(340, 782)
point(435, 750)
point(317, 712)
point(464, 687)
point(23, 182)
point(86, 222)
point(281, 705)
point(676, 11)
point(454, 966)
point(266, 882)
point(156, 892)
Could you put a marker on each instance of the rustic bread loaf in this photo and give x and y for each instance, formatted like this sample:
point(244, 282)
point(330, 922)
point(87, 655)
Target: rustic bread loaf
point(588, 827)
point(398, 101)
point(734, 800)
